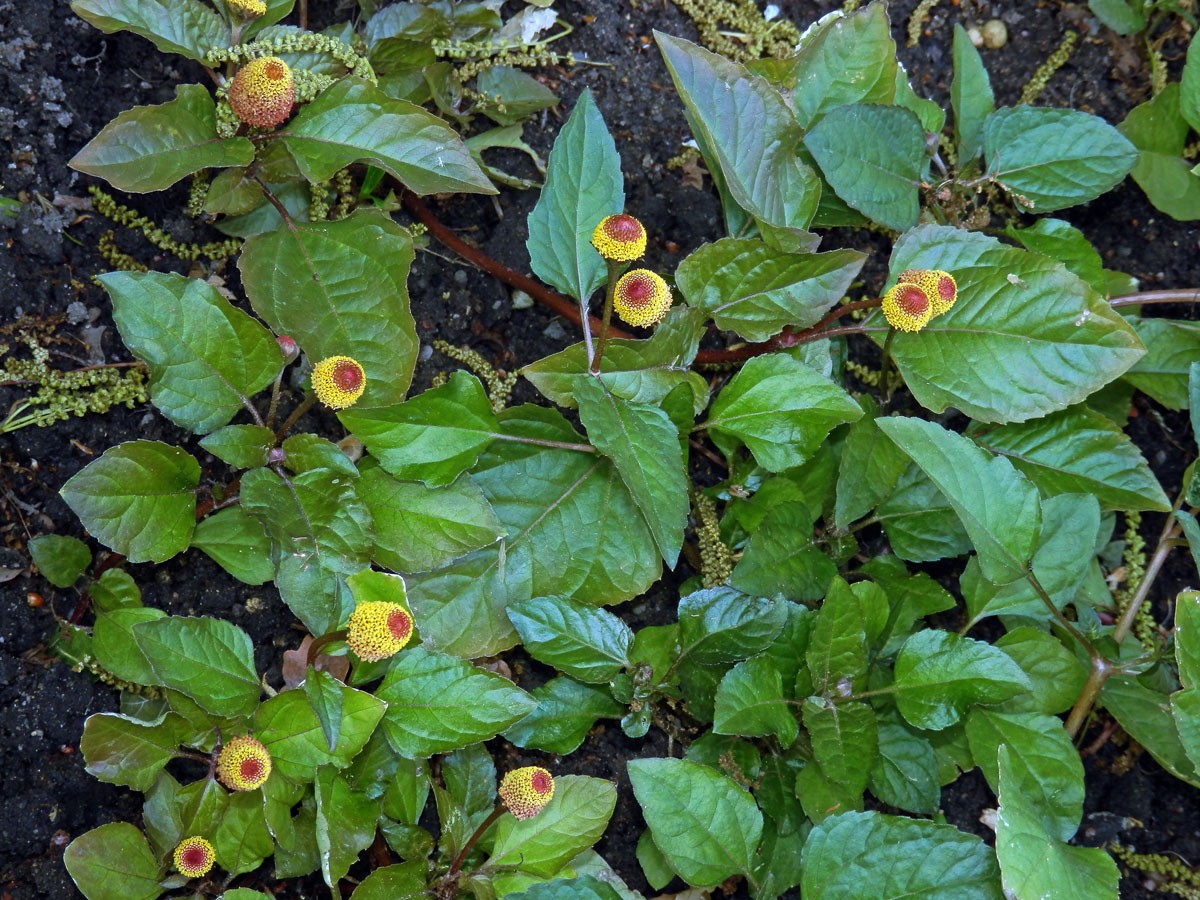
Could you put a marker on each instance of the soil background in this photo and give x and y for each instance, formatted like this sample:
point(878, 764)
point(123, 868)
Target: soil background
point(61, 81)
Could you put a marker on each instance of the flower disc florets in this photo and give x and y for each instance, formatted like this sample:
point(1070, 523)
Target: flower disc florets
point(642, 297)
point(262, 92)
point(938, 285)
point(907, 307)
point(247, 9)
point(621, 238)
point(243, 764)
point(526, 791)
point(194, 857)
point(338, 381)
point(378, 630)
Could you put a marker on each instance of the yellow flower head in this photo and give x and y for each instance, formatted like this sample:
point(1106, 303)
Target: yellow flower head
point(378, 630)
point(247, 9)
point(243, 764)
point(338, 381)
point(939, 285)
point(526, 791)
point(621, 238)
point(907, 307)
point(262, 92)
point(194, 857)
point(642, 297)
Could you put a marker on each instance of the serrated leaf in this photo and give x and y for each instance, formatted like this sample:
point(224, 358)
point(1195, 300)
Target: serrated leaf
point(188, 28)
point(721, 625)
point(241, 446)
point(130, 752)
point(1171, 347)
point(837, 646)
point(60, 559)
point(565, 713)
point(237, 542)
point(570, 823)
point(750, 701)
point(970, 95)
point(115, 647)
point(585, 887)
point(587, 643)
point(845, 742)
point(209, 660)
point(583, 185)
point(1146, 714)
point(705, 825)
point(296, 737)
point(307, 451)
point(1187, 637)
point(782, 559)
point(405, 881)
point(113, 862)
point(340, 289)
point(1061, 240)
point(905, 772)
point(242, 840)
point(138, 499)
point(1057, 673)
point(345, 824)
point(1159, 132)
point(919, 521)
point(869, 468)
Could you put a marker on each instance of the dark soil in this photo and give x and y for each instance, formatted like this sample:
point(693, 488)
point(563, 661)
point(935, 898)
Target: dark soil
point(61, 81)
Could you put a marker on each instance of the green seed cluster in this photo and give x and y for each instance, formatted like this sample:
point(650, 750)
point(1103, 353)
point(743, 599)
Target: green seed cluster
point(865, 374)
point(716, 561)
point(756, 36)
point(117, 258)
point(1180, 878)
point(1144, 628)
point(304, 42)
point(88, 664)
point(499, 387)
point(309, 84)
point(916, 22)
point(1046, 70)
point(104, 204)
point(197, 194)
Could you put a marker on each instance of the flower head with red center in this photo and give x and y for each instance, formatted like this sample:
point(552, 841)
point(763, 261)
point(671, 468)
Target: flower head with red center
point(907, 307)
point(247, 9)
point(620, 238)
point(378, 630)
point(194, 857)
point(938, 285)
point(526, 791)
point(338, 381)
point(243, 764)
point(642, 297)
point(262, 92)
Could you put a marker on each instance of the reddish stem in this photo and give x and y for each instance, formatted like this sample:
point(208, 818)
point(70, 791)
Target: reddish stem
point(111, 561)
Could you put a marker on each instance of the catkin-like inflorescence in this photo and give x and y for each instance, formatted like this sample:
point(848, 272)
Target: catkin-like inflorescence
point(642, 297)
point(378, 630)
point(262, 92)
point(338, 381)
point(194, 857)
point(526, 791)
point(907, 307)
point(620, 238)
point(247, 9)
point(243, 764)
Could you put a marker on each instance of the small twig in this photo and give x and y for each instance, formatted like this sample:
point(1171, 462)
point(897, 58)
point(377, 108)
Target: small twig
point(300, 410)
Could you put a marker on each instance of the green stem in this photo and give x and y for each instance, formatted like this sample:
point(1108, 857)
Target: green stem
point(886, 370)
point(614, 272)
point(300, 410)
point(273, 408)
point(314, 649)
point(487, 823)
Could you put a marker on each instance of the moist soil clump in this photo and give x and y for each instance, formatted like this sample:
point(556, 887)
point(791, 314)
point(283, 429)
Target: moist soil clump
point(61, 81)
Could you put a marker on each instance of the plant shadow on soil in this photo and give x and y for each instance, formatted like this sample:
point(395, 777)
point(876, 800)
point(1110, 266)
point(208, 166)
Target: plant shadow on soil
point(61, 81)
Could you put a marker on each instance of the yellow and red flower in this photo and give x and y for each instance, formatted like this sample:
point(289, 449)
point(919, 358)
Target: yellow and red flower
point(642, 297)
point(620, 238)
point(247, 9)
point(526, 791)
point(378, 630)
point(338, 381)
point(262, 92)
point(907, 307)
point(940, 287)
point(243, 764)
point(194, 856)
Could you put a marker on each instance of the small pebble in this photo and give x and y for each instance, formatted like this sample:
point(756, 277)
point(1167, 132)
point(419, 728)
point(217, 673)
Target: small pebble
point(995, 34)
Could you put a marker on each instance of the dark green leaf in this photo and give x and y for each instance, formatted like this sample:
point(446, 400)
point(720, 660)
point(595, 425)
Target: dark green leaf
point(188, 27)
point(210, 660)
point(905, 773)
point(919, 521)
point(1159, 133)
point(1171, 347)
point(869, 468)
point(242, 840)
point(585, 887)
point(405, 881)
point(970, 96)
point(1063, 241)
point(241, 446)
point(582, 641)
point(750, 702)
point(296, 737)
point(721, 625)
point(59, 558)
point(115, 647)
point(1146, 715)
point(126, 751)
point(571, 822)
point(307, 451)
point(782, 559)
point(324, 696)
point(1187, 637)
point(1057, 673)
point(844, 739)
point(566, 710)
point(237, 542)
point(113, 862)
point(345, 824)
point(1119, 15)
point(837, 647)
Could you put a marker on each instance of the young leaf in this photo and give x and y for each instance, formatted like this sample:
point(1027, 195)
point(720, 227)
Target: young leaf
point(905, 773)
point(566, 710)
point(644, 445)
point(1061, 240)
point(940, 674)
point(296, 736)
point(705, 825)
point(837, 647)
point(874, 158)
point(126, 751)
point(583, 185)
point(751, 288)
point(1159, 133)
point(1054, 158)
point(1057, 673)
point(188, 27)
point(750, 702)
point(340, 289)
point(138, 499)
point(587, 643)
point(720, 625)
point(844, 739)
point(242, 840)
point(572, 821)
point(59, 558)
point(898, 858)
point(345, 824)
point(1171, 347)
point(237, 542)
point(781, 409)
point(970, 96)
point(209, 660)
point(113, 862)
point(241, 446)
point(307, 451)
point(782, 560)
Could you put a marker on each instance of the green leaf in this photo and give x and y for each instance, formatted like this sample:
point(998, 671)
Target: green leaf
point(138, 499)
point(919, 521)
point(339, 289)
point(1016, 312)
point(237, 542)
point(188, 27)
point(751, 288)
point(782, 559)
point(1121, 16)
point(998, 507)
point(295, 736)
point(844, 739)
point(438, 702)
point(242, 840)
point(126, 751)
point(1079, 451)
point(1187, 637)
point(307, 451)
point(781, 409)
point(1191, 532)
point(751, 133)
point(1171, 347)
point(869, 468)
point(241, 446)
point(405, 881)
point(115, 647)
point(573, 530)
point(837, 647)
point(859, 854)
point(1146, 714)
point(585, 887)
point(571, 822)
point(720, 625)
point(113, 862)
point(644, 446)
point(321, 691)
point(1033, 862)
point(912, 597)
point(587, 643)
point(750, 702)
point(345, 824)
point(1063, 241)
point(847, 59)
point(970, 96)
point(149, 148)
point(1054, 158)
point(583, 185)
point(1159, 133)
point(59, 558)
point(1189, 89)
point(210, 660)
point(1057, 673)
point(905, 772)
point(940, 674)
point(566, 710)
point(874, 158)
point(433, 437)
point(353, 121)
point(705, 825)
point(206, 358)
